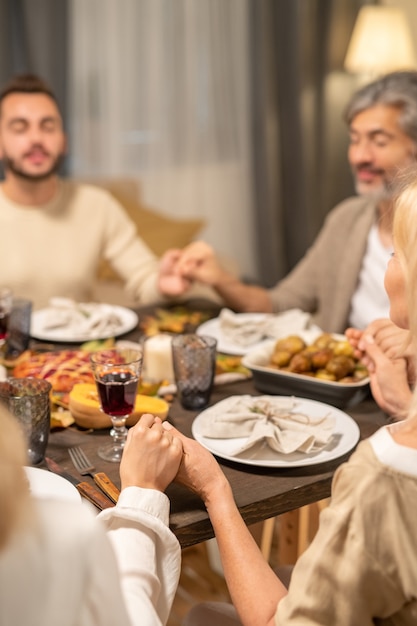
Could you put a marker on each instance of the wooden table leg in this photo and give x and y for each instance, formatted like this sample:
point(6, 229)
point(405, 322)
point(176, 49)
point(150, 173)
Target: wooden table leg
point(288, 525)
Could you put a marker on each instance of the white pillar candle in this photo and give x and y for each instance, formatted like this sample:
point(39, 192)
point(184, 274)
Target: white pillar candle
point(157, 359)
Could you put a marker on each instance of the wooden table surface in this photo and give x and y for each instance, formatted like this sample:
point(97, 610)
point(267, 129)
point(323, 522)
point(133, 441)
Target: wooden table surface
point(260, 493)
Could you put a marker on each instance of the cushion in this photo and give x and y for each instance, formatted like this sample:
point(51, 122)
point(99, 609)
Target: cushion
point(160, 232)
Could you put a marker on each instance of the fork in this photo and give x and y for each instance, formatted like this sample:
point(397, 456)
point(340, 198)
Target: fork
point(84, 466)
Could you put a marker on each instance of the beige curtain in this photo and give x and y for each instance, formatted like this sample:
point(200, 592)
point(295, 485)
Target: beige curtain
point(160, 92)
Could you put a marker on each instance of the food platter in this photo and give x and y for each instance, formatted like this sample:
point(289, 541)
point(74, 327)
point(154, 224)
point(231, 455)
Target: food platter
point(174, 320)
point(280, 382)
point(345, 437)
point(128, 320)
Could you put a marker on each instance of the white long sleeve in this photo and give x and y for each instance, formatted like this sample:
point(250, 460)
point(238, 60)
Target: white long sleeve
point(65, 568)
point(149, 561)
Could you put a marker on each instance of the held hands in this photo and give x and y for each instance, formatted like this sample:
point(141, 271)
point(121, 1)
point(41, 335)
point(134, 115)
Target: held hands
point(170, 281)
point(156, 453)
point(391, 339)
point(199, 470)
point(151, 456)
point(383, 349)
point(196, 262)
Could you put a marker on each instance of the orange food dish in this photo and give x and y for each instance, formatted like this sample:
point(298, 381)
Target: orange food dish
point(63, 369)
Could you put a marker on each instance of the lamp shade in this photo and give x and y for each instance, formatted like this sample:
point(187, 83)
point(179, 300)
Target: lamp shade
point(381, 42)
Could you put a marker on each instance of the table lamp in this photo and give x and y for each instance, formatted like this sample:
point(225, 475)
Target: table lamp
point(381, 42)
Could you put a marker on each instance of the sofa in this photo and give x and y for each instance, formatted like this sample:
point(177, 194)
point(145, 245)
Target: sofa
point(159, 231)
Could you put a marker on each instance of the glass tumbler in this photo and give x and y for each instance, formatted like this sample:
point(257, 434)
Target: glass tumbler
point(194, 360)
point(28, 400)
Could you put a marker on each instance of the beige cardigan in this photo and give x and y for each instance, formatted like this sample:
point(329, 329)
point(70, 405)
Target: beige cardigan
point(361, 565)
point(324, 281)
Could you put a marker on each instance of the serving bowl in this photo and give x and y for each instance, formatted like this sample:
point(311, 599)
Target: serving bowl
point(280, 382)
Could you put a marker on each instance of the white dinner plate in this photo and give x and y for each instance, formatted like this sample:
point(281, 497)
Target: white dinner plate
point(345, 437)
point(128, 319)
point(225, 345)
point(45, 484)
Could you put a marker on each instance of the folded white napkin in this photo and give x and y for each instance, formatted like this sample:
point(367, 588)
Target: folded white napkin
point(83, 318)
point(246, 329)
point(266, 418)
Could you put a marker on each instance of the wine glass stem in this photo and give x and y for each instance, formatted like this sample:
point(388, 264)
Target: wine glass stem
point(119, 430)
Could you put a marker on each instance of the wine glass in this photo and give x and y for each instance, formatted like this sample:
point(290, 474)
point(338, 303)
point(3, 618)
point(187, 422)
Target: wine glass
point(6, 298)
point(116, 373)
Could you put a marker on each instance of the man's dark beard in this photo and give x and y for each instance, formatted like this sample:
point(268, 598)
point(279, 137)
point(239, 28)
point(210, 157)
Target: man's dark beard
point(8, 164)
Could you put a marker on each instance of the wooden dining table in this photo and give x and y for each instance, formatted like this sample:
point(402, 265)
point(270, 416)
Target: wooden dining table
point(260, 492)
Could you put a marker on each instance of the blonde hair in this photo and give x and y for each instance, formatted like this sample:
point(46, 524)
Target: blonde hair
point(405, 244)
point(14, 488)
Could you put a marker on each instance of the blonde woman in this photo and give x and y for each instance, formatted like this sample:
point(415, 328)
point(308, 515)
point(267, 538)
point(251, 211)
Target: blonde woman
point(361, 567)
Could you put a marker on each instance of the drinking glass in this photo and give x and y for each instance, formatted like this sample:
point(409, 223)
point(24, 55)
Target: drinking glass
point(18, 333)
point(194, 359)
point(116, 373)
point(28, 400)
point(6, 298)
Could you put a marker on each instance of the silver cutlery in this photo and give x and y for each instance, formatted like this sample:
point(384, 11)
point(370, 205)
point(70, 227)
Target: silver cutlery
point(84, 466)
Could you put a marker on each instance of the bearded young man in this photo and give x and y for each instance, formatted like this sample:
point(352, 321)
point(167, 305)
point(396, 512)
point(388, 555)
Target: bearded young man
point(340, 279)
point(53, 231)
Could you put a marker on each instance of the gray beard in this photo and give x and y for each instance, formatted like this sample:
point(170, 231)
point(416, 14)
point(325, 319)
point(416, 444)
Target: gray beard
point(384, 193)
point(378, 195)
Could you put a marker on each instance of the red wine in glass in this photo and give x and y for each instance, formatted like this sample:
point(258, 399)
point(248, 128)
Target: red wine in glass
point(117, 392)
point(117, 373)
point(6, 298)
point(4, 324)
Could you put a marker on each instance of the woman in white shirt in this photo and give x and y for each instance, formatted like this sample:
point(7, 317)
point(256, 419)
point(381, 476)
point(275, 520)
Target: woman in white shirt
point(62, 565)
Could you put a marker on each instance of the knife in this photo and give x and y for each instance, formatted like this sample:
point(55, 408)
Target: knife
point(103, 481)
point(85, 489)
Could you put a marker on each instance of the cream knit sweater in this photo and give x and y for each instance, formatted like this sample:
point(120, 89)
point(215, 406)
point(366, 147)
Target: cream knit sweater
point(54, 250)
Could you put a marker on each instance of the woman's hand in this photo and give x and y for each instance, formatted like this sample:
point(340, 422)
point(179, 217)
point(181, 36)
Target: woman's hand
point(151, 456)
point(385, 350)
point(199, 470)
point(389, 378)
point(392, 340)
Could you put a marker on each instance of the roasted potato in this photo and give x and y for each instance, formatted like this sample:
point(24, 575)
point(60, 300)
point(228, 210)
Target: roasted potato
point(281, 358)
point(340, 366)
point(325, 375)
point(328, 358)
point(343, 347)
point(292, 344)
point(326, 340)
point(320, 358)
point(300, 363)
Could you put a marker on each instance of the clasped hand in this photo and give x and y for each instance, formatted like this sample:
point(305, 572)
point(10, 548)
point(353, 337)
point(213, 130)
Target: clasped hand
point(385, 350)
point(156, 454)
point(180, 268)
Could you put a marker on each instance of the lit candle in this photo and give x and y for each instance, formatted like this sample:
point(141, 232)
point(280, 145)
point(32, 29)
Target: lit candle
point(157, 359)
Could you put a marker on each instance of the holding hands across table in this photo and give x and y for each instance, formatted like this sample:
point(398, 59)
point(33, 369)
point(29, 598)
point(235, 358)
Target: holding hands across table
point(151, 456)
point(385, 350)
point(198, 262)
